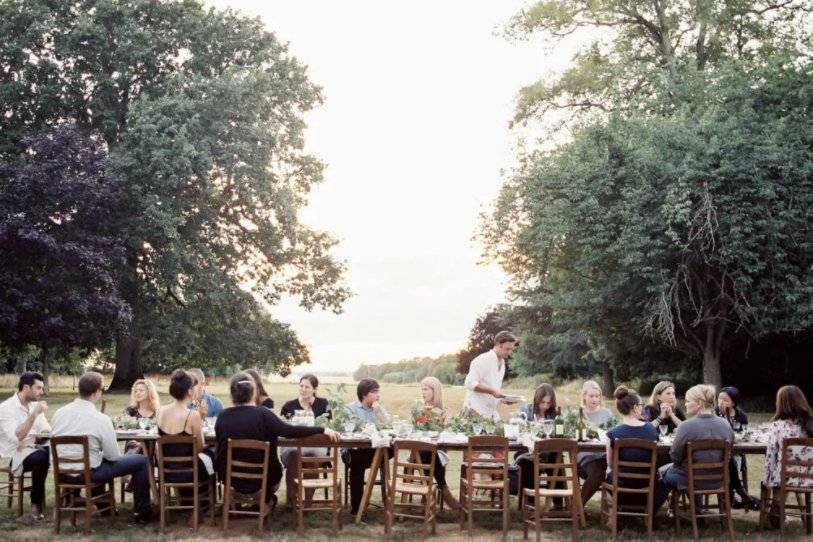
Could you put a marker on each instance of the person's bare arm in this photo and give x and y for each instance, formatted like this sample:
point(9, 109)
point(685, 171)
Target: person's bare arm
point(24, 428)
point(482, 388)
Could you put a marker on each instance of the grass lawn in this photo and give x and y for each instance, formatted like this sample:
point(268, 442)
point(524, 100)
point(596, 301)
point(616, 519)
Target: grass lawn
point(398, 399)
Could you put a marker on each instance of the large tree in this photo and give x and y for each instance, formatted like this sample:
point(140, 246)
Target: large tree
point(201, 111)
point(62, 261)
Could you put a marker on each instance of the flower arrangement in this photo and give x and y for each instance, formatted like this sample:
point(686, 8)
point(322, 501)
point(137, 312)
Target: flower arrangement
point(426, 418)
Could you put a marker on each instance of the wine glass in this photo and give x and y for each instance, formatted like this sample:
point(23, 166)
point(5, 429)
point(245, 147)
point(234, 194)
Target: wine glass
point(349, 426)
point(477, 428)
point(664, 429)
point(547, 427)
point(142, 423)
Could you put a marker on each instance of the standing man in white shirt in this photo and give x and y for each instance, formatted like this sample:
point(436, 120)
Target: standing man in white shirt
point(484, 381)
point(106, 461)
point(21, 416)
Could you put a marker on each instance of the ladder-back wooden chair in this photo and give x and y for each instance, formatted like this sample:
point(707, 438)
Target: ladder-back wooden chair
point(633, 482)
point(314, 473)
point(555, 476)
point(484, 467)
point(796, 476)
point(70, 482)
point(234, 502)
point(706, 479)
point(180, 474)
point(14, 486)
point(412, 477)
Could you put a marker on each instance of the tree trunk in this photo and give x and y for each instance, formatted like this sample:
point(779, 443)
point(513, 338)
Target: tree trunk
point(128, 360)
point(46, 368)
point(608, 379)
point(20, 365)
point(712, 374)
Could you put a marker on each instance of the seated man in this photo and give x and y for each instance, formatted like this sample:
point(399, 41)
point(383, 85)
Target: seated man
point(368, 409)
point(209, 406)
point(21, 416)
point(106, 461)
point(246, 420)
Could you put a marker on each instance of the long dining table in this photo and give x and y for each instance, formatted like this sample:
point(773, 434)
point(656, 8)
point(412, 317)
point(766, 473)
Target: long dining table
point(148, 438)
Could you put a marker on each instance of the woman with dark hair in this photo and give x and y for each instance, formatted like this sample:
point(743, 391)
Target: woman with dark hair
point(663, 408)
point(176, 419)
point(737, 418)
point(245, 420)
point(793, 419)
point(262, 396)
point(544, 405)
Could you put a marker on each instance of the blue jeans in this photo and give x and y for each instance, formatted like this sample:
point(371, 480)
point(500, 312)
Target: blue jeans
point(137, 466)
point(670, 479)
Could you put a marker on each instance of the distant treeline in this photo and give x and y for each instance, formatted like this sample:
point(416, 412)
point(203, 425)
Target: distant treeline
point(412, 370)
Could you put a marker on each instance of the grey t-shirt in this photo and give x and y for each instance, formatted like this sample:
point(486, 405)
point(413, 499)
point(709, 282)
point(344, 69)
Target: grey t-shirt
point(701, 427)
point(600, 416)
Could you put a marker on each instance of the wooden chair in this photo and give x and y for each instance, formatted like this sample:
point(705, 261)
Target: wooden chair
point(314, 473)
point(69, 483)
point(379, 481)
point(246, 470)
point(412, 477)
point(484, 467)
point(182, 468)
point(706, 480)
point(633, 478)
point(792, 476)
point(14, 486)
point(561, 471)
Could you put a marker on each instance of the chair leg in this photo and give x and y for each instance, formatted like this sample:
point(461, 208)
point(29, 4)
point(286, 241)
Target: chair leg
point(57, 510)
point(20, 486)
point(112, 501)
point(226, 504)
point(506, 518)
point(614, 516)
point(782, 498)
point(676, 510)
point(10, 488)
point(693, 509)
point(88, 515)
point(808, 516)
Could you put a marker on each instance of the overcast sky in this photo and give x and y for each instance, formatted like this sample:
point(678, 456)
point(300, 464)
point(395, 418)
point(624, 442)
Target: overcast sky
point(414, 132)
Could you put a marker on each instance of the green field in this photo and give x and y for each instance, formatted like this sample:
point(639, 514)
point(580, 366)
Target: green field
point(398, 399)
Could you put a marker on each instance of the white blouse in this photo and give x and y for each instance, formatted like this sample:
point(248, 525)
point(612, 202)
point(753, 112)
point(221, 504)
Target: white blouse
point(777, 433)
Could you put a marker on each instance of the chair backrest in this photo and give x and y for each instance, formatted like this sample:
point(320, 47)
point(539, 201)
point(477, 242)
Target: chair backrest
point(80, 475)
point(555, 462)
point(708, 464)
point(247, 468)
point(171, 461)
point(797, 463)
point(326, 464)
point(411, 468)
point(487, 454)
point(628, 473)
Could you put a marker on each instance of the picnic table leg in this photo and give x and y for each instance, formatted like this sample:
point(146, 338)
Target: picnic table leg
point(368, 486)
point(149, 451)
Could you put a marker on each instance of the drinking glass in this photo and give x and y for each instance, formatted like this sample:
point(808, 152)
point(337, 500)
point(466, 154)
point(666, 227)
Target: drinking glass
point(548, 427)
point(477, 428)
point(349, 426)
point(664, 429)
point(407, 429)
point(142, 423)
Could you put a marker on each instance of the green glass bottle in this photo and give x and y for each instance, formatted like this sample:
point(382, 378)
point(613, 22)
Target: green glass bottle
point(559, 426)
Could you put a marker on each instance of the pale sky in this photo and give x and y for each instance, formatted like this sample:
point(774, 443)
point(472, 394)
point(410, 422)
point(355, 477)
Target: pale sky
point(414, 132)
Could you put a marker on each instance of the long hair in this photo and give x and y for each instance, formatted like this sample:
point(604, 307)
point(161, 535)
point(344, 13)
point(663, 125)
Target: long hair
point(152, 395)
point(657, 390)
point(791, 404)
point(590, 385)
point(437, 390)
point(542, 391)
point(258, 383)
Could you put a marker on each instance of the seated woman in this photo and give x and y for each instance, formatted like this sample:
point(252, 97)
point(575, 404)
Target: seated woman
point(728, 410)
point(307, 400)
point(176, 419)
point(543, 407)
point(662, 408)
point(368, 409)
point(629, 405)
point(592, 465)
point(262, 396)
point(704, 425)
point(432, 395)
point(144, 403)
point(245, 420)
point(793, 419)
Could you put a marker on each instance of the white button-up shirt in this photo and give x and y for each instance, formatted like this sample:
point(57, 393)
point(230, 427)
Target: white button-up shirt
point(12, 415)
point(486, 369)
point(81, 418)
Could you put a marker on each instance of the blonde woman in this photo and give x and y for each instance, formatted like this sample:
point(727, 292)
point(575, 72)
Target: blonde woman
point(592, 465)
point(704, 425)
point(662, 408)
point(144, 400)
point(593, 404)
point(432, 395)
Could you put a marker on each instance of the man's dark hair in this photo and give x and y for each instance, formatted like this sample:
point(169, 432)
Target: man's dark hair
point(366, 385)
point(180, 383)
point(28, 378)
point(242, 389)
point(89, 383)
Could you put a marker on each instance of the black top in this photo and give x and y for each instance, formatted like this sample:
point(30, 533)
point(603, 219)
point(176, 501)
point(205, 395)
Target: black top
point(652, 413)
point(319, 407)
point(268, 403)
point(179, 450)
point(134, 413)
point(736, 422)
point(257, 423)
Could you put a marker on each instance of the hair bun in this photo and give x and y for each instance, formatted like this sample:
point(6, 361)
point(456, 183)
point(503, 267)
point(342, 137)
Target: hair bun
point(621, 392)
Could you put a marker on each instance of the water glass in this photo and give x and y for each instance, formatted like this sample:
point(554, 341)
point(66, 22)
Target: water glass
point(349, 426)
point(477, 428)
point(664, 429)
point(142, 423)
point(548, 427)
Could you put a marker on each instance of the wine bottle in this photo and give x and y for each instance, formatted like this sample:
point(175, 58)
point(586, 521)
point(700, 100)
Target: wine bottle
point(559, 426)
point(581, 426)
